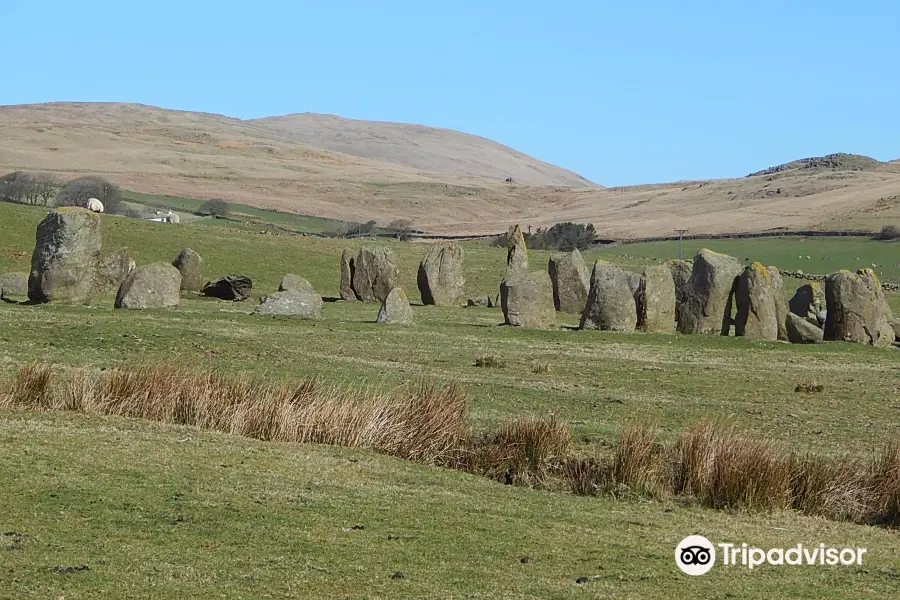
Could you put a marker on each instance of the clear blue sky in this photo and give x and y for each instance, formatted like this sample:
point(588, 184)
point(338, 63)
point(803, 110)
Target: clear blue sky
point(621, 92)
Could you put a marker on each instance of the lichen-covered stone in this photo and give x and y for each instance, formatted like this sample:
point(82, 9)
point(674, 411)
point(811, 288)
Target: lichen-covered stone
point(441, 277)
point(190, 264)
point(65, 257)
point(708, 303)
point(395, 308)
point(150, 286)
point(610, 305)
point(571, 281)
point(526, 298)
point(655, 302)
point(757, 317)
point(857, 309)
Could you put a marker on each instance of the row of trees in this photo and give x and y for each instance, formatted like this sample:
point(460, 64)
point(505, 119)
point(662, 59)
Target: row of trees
point(563, 237)
point(44, 189)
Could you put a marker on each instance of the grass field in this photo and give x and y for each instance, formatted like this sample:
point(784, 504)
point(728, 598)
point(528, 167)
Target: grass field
point(164, 511)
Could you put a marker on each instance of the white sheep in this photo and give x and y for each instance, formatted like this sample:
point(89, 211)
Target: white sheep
point(94, 205)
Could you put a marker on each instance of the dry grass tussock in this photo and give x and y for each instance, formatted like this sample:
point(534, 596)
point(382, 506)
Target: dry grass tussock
point(711, 464)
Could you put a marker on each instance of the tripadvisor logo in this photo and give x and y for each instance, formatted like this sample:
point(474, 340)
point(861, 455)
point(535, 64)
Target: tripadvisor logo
point(696, 555)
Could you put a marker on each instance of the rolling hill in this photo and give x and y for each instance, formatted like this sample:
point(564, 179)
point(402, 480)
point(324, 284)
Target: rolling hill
point(356, 170)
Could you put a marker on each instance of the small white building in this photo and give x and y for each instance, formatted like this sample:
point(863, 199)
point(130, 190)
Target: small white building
point(166, 217)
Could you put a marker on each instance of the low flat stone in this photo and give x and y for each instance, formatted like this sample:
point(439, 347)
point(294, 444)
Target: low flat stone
point(291, 303)
point(801, 331)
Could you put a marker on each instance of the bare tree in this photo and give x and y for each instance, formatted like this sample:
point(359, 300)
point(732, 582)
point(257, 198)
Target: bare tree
point(28, 188)
point(78, 191)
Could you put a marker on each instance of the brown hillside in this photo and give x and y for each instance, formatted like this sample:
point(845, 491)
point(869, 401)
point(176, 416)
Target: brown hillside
point(202, 155)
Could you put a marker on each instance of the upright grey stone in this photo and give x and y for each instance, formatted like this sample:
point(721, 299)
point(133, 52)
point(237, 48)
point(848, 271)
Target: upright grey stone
point(441, 277)
point(757, 317)
point(610, 304)
point(347, 269)
point(65, 257)
point(708, 303)
point(395, 308)
point(516, 251)
point(781, 305)
point(112, 270)
point(571, 281)
point(857, 309)
point(526, 298)
point(190, 264)
point(375, 273)
point(655, 300)
point(150, 286)
point(13, 285)
point(681, 273)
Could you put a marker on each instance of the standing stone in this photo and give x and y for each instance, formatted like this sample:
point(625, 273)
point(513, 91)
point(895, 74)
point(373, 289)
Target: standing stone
point(526, 298)
point(707, 304)
point(65, 256)
point(610, 304)
point(808, 302)
point(570, 280)
point(781, 305)
point(375, 273)
point(681, 273)
point(441, 277)
point(801, 331)
point(301, 302)
point(395, 308)
point(191, 266)
point(112, 270)
point(295, 283)
point(857, 309)
point(347, 269)
point(655, 300)
point(236, 288)
point(151, 286)
point(516, 251)
point(756, 314)
point(13, 285)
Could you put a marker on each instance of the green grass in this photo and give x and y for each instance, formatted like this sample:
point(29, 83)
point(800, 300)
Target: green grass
point(170, 512)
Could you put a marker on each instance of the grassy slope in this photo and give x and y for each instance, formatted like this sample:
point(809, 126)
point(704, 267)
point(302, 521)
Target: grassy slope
point(107, 493)
point(167, 512)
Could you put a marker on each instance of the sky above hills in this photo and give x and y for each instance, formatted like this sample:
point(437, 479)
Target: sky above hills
point(645, 92)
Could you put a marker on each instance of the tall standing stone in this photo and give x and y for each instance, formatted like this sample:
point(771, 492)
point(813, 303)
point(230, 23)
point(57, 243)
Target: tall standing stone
point(65, 257)
point(150, 286)
point(375, 273)
point(527, 299)
point(857, 309)
point(395, 308)
point(570, 280)
point(516, 251)
point(347, 269)
point(190, 264)
point(441, 276)
point(781, 305)
point(610, 304)
point(656, 300)
point(708, 301)
point(757, 317)
point(681, 274)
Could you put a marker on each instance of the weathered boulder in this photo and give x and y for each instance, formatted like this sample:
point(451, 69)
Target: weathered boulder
point(236, 288)
point(156, 285)
point(526, 298)
point(395, 308)
point(801, 331)
point(808, 302)
point(857, 309)
point(65, 257)
point(571, 281)
point(301, 302)
point(347, 269)
point(14, 285)
point(757, 317)
point(441, 276)
point(708, 302)
point(112, 270)
point(681, 273)
point(516, 251)
point(781, 305)
point(295, 283)
point(655, 301)
point(480, 302)
point(375, 273)
point(610, 304)
point(895, 325)
point(191, 266)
